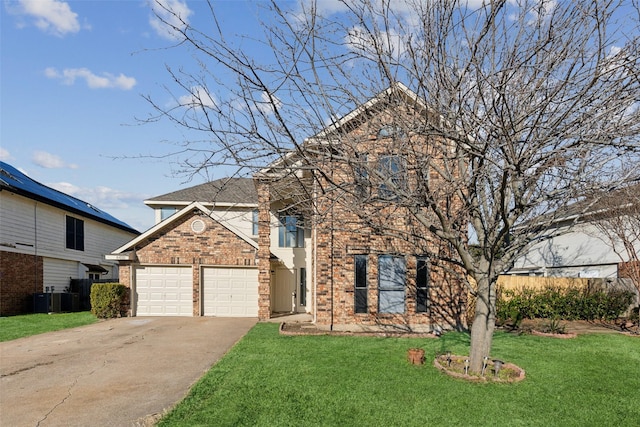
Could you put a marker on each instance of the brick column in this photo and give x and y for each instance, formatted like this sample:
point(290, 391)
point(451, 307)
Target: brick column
point(264, 249)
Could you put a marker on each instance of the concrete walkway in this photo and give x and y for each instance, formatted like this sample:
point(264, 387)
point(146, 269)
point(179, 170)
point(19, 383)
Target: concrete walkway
point(118, 372)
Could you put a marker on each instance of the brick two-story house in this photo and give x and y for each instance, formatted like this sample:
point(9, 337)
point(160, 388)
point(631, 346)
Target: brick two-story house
point(341, 234)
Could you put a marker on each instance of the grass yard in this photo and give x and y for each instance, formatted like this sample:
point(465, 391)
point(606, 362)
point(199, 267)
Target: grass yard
point(14, 327)
point(273, 380)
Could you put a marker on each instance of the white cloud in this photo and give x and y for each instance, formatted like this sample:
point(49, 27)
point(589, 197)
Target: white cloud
point(51, 16)
point(50, 161)
point(102, 197)
point(199, 96)
point(391, 43)
point(268, 103)
point(168, 14)
point(94, 81)
point(5, 155)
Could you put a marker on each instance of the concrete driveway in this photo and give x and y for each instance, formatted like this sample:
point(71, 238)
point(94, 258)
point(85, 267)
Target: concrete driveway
point(117, 372)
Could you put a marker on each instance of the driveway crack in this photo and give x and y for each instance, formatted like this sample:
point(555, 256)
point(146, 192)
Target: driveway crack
point(70, 392)
point(28, 368)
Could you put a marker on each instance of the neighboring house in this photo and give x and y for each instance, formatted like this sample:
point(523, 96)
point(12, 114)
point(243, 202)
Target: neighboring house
point(577, 245)
point(48, 238)
point(235, 248)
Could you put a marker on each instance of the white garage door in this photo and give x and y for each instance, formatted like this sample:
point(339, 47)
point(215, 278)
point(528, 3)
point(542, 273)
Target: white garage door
point(230, 292)
point(164, 291)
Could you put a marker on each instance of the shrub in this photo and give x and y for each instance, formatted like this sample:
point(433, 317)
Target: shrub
point(561, 303)
point(107, 299)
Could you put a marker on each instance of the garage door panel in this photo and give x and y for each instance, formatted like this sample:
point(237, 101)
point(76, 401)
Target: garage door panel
point(164, 291)
point(230, 292)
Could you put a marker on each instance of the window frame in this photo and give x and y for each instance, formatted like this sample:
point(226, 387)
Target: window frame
point(290, 231)
point(360, 284)
point(392, 169)
point(422, 284)
point(255, 215)
point(74, 231)
point(167, 212)
point(391, 284)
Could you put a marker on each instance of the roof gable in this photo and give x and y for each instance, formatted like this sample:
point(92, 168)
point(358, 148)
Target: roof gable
point(396, 91)
point(11, 179)
point(175, 218)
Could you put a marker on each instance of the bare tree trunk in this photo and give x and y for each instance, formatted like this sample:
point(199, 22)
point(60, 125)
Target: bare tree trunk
point(483, 326)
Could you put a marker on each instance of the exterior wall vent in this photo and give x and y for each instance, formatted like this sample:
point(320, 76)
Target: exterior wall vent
point(198, 226)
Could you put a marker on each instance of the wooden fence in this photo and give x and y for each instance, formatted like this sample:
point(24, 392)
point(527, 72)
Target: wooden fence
point(537, 282)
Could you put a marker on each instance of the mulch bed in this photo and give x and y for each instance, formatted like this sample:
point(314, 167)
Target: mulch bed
point(572, 329)
point(308, 328)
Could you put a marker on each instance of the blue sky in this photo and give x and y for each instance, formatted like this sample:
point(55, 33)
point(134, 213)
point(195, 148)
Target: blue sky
point(72, 83)
point(73, 76)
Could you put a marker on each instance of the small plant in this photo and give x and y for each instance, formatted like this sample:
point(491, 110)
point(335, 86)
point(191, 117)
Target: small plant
point(554, 326)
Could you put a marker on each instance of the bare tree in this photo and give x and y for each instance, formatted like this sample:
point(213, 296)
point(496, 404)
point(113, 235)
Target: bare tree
point(526, 105)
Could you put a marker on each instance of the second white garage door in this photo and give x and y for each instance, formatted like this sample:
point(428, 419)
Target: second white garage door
point(230, 292)
point(164, 291)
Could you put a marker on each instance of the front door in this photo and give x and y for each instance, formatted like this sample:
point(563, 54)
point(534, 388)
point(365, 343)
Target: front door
point(284, 290)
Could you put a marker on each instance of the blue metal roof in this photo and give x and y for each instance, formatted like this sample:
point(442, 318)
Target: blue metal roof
point(15, 181)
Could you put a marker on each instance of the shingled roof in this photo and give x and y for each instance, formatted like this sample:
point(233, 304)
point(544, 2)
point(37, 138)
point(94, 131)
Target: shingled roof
point(225, 190)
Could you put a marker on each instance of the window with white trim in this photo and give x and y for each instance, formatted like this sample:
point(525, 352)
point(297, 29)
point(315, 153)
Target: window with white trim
point(360, 279)
point(392, 275)
point(290, 232)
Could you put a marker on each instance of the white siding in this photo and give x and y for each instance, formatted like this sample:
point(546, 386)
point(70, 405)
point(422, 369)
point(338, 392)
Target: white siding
point(31, 227)
point(240, 219)
point(581, 252)
point(58, 272)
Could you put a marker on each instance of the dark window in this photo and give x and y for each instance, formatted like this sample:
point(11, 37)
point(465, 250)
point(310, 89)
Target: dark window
point(361, 283)
point(75, 233)
point(422, 285)
point(393, 176)
point(291, 233)
point(303, 286)
point(254, 222)
point(392, 273)
point(362, 177)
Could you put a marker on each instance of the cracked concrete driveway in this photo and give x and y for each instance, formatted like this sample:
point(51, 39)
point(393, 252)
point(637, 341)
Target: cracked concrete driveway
point(114, 373)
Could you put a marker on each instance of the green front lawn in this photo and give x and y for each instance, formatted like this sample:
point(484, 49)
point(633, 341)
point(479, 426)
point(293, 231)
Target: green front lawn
point(14, 327)
point(273, 380)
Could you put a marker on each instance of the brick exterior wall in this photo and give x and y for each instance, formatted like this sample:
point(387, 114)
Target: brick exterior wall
point(344, 228)
point(20, 278)
point(179, 245)
point(264, 254)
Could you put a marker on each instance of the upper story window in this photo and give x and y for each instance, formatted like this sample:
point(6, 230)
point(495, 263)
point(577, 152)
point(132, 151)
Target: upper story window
point(167, 212)
point(391, 131)
point(254, 222)
point(291, 233)
point(393, 175)
point(75, 234)
point(361, 176)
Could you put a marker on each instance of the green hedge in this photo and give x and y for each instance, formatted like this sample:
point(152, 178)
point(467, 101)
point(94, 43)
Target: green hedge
point(107, 299)
point(554, 302)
